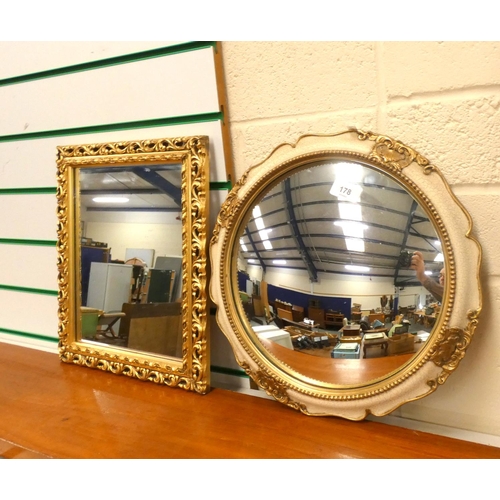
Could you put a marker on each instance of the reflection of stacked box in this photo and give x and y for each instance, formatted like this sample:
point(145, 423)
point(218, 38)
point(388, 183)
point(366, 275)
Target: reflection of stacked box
point(348, 350)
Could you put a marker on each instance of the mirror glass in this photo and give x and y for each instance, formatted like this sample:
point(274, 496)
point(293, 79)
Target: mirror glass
point(131, 257)
point(322, 276)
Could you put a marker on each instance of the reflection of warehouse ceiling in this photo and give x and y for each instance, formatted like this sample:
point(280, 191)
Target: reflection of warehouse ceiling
point(308, 229)
point(148, 189)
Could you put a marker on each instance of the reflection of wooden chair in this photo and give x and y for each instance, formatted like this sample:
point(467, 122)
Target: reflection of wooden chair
point(155, 328)
point(89, 320)
point(106, 321)
point(398, 320)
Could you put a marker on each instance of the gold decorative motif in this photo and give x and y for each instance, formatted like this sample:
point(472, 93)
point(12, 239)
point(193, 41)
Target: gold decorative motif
point(451, 345)
point(394, 153)
point(191, 372)
point(273, 388)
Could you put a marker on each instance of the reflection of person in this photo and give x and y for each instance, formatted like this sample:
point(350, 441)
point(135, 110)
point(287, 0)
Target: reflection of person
point(383, 301)
point(436, 289)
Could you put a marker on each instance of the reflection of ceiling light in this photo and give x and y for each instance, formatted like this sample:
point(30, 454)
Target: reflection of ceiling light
point(279, 262)
point(355, 245)
point(263, 234)
point(243, 246)
point(360, 269)
point(437, 242)
point(252, 261)
point(110, 199)
point(428, 273)
point(256, 212)
point(353, 229)
point(350, 211)
point(267, 245)
point(259, 222)
point(439, 258)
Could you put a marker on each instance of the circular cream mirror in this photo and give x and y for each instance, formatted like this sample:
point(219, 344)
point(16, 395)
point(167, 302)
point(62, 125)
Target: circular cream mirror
point(312, 279)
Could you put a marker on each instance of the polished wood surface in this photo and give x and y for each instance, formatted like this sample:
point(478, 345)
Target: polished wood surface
point(51, 409)
point(337, 371)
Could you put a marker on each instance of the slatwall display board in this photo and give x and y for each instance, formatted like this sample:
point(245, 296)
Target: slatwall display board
point(61, 93)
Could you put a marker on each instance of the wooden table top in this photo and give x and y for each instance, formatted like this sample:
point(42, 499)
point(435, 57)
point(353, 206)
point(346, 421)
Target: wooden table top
point(51, 409)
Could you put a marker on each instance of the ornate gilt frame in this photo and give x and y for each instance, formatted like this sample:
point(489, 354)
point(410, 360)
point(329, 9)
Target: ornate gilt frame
point(462, 301)
point(191, 372)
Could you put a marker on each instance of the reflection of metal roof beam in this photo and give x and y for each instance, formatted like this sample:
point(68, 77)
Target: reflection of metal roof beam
point(362, 205)
point(313, 274)
point(103, 192)
point(342, 237)
point(161, 183)
point(409, 222)
point(115, 169)
point(132, 209)
point(254, 247)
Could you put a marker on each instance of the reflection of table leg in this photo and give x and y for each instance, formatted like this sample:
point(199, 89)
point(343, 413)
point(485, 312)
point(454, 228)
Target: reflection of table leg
point(107, 320)
point(374, 343)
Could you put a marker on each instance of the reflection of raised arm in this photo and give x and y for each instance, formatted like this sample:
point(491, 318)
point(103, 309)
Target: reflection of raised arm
point(436, 289)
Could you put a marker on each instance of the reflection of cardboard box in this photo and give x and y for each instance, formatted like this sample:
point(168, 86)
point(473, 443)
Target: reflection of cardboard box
point(399, 344)
point(346, 351)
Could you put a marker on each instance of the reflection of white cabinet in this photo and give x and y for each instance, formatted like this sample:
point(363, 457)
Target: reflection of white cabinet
point(109, 286)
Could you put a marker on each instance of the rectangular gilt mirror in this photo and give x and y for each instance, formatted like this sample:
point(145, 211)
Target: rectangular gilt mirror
point(132, 259)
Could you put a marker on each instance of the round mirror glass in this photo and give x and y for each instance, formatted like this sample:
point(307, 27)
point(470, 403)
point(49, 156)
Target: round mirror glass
point(324, 277)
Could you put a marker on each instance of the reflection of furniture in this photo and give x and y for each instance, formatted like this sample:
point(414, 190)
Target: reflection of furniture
point(356, 316)
point(346, 351)
point(298, 313)
point(351, 330)
point(382, 329)
point(317, 314)
point(375, 340)
point(258, 306)
point(376, 316)
point(159, 285)
point(155, 328)
point(399, 344)
point(349, 338)
point(89, 255)
point(106, 321)
point(335, 320)
point(281, 337)
point(285, 314)
point(175, 264)
point(109, 286)
point(90, 318)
